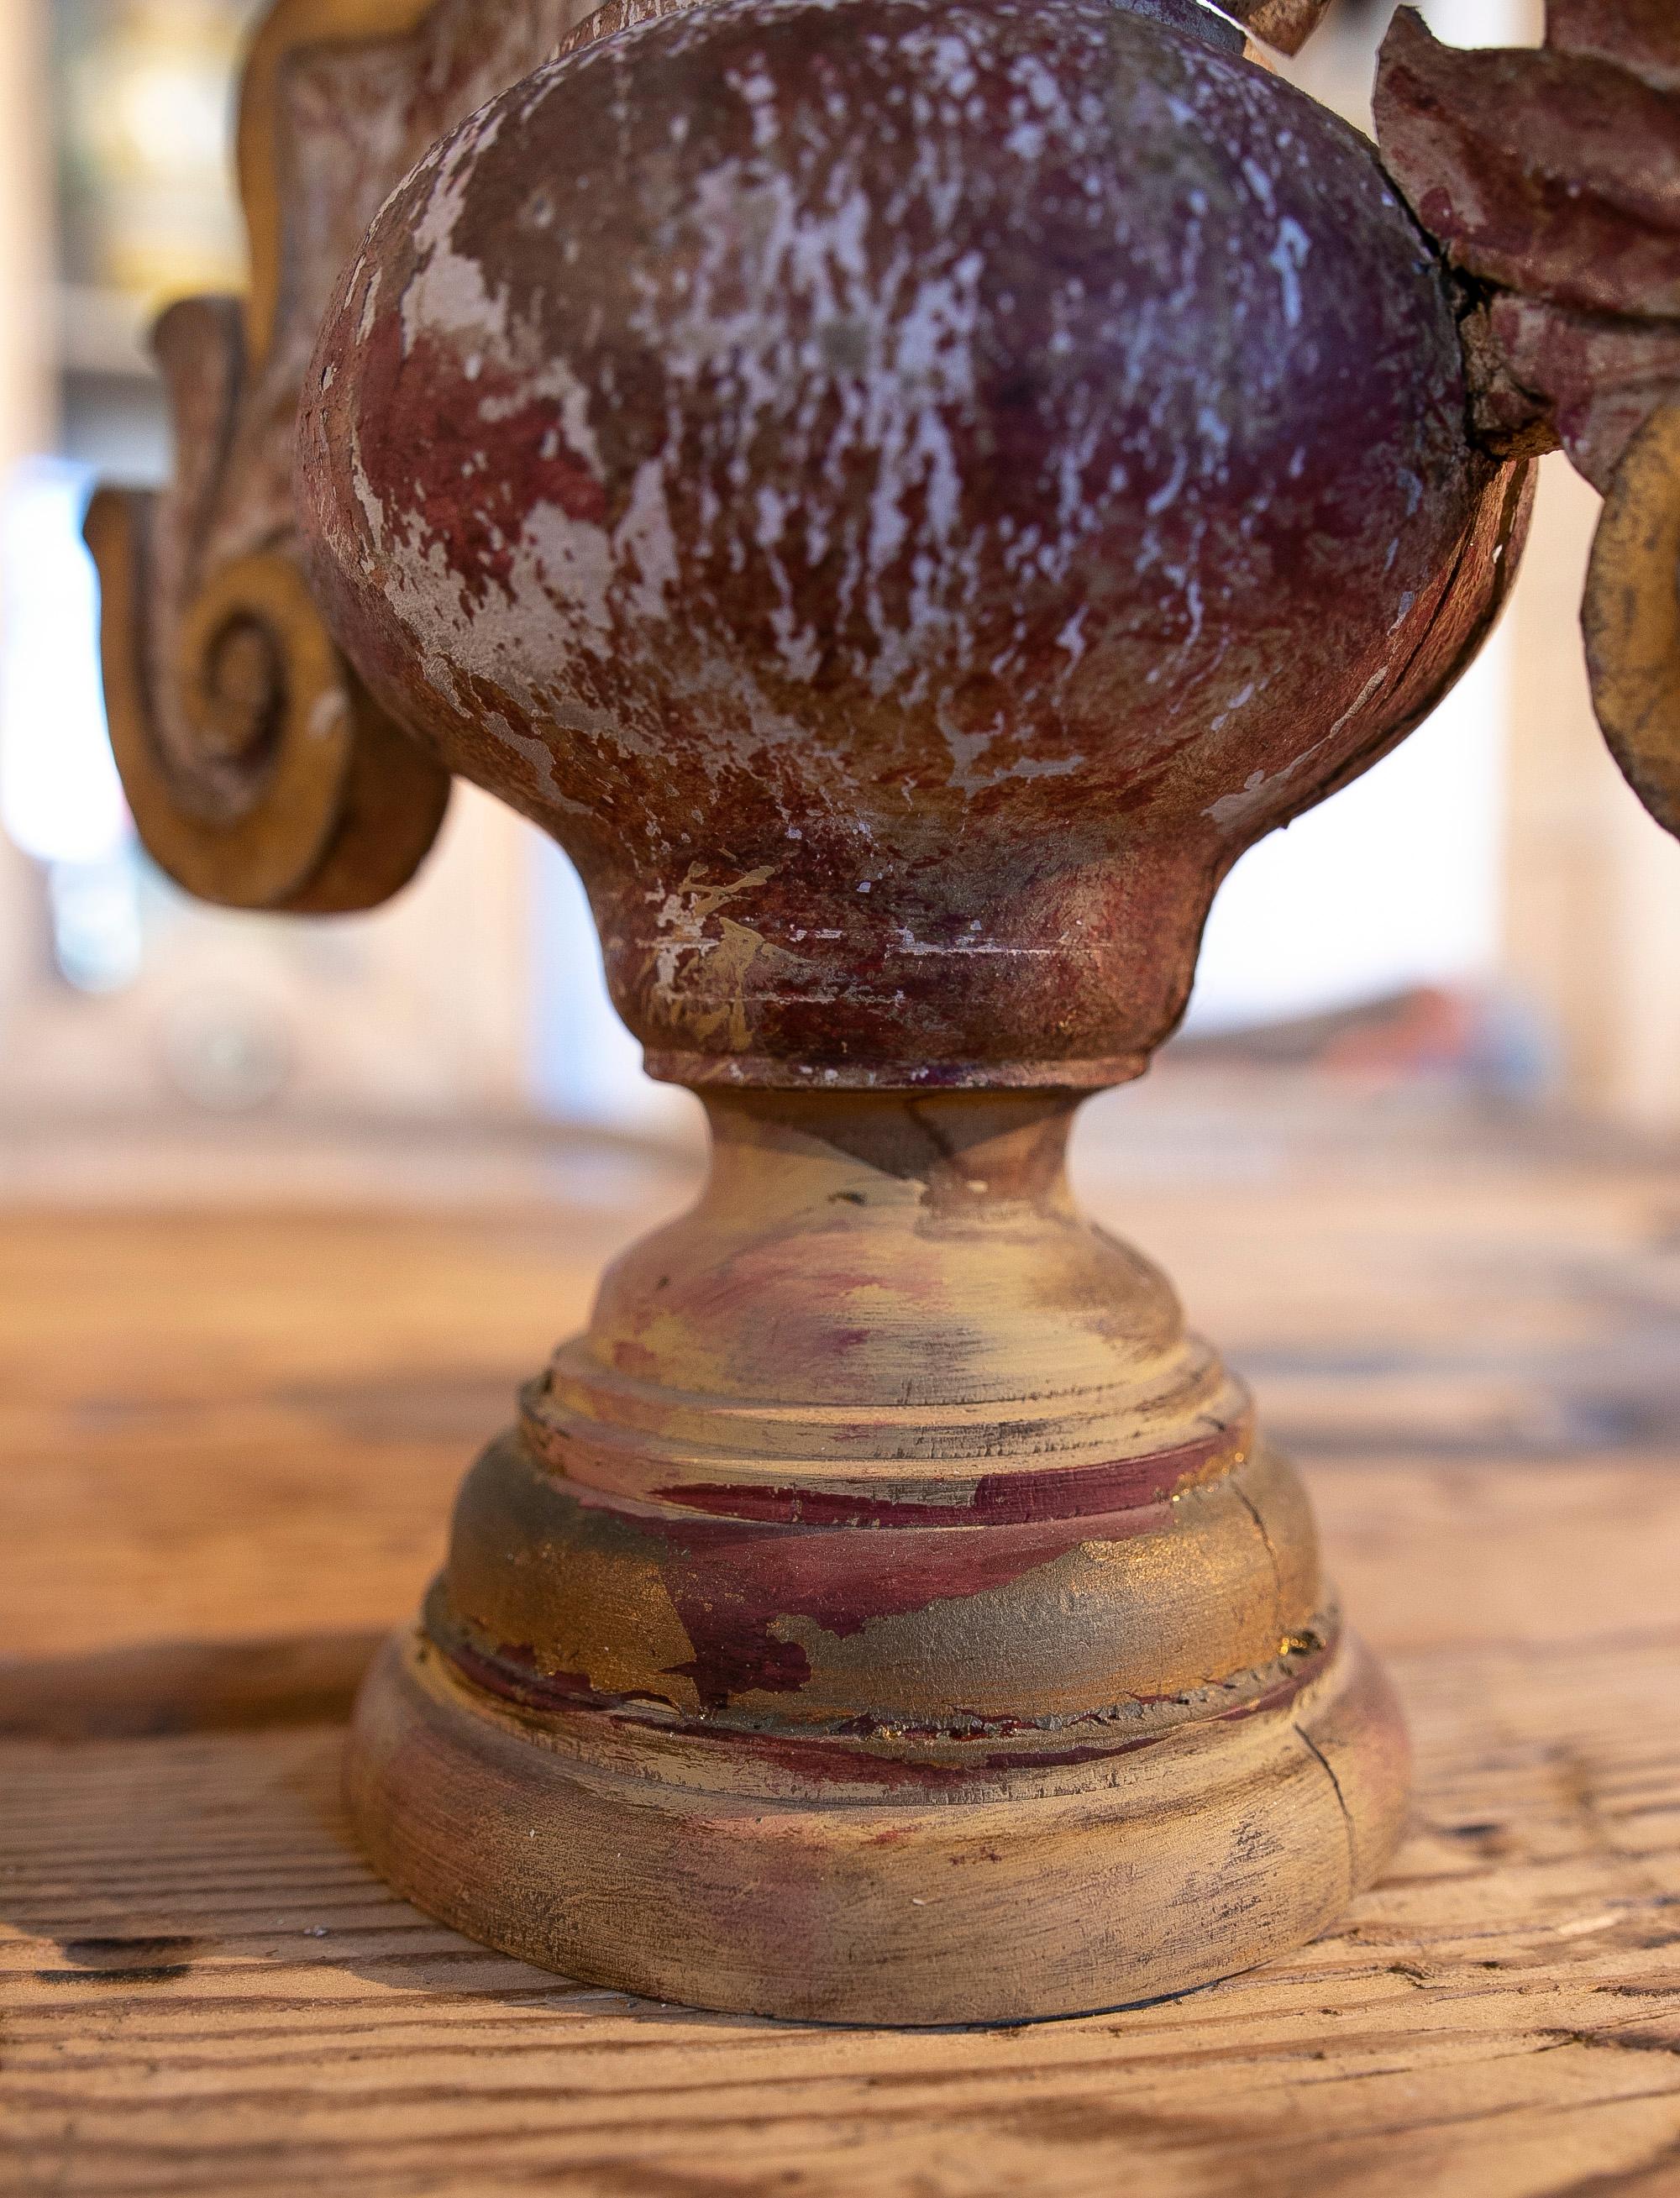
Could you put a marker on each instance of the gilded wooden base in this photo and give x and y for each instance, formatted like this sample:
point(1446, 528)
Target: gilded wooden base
point(722, 1874)
point(886, 1611)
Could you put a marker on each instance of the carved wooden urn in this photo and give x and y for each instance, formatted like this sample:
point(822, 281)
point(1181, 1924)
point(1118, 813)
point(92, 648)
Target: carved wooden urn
point(905, 493)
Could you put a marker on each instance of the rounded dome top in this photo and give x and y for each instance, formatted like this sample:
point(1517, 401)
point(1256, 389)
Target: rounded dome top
point(906, 490)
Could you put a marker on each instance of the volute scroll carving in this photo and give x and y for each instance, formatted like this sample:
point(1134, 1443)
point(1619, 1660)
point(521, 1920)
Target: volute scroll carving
point(259, 771)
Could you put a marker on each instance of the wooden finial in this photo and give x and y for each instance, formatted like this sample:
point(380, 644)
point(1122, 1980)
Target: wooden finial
point(905, 565)
point(905, 493)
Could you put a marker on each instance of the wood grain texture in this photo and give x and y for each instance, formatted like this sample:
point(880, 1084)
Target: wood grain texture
point(207, 1989)
point(203, 1988)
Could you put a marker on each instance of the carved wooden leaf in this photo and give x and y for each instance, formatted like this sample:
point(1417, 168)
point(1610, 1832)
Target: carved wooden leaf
point(1640, 35)
point(1550, 172)
point(1552, 178)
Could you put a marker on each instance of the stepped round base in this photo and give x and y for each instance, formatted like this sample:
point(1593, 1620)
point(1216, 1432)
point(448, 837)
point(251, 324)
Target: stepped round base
point(726, 1871)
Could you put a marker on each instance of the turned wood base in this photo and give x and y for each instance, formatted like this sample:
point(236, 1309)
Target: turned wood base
point(721, 1875)
point(886, 1611)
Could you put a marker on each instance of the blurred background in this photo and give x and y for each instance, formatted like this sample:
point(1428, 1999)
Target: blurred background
point(1483, 930)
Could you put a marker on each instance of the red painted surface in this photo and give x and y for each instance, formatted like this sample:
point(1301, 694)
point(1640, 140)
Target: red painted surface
point(846, 1758)
point(906, 566)
point(1034, 1495)
point(1551, 179)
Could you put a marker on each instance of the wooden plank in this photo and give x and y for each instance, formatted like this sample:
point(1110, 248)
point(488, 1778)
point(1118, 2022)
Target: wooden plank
point(244, 1425)
point(214, 1425)
point(227, 1441)
point(206, 1990)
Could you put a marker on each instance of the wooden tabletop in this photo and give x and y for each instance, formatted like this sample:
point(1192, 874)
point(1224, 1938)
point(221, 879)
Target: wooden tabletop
point(228, 1439)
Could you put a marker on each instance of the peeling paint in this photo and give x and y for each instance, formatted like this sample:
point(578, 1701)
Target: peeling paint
point(698, 472)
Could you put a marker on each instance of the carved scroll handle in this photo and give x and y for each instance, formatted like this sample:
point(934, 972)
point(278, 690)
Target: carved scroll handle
point(1551, 179)
point(260, 772)
point(296, 793)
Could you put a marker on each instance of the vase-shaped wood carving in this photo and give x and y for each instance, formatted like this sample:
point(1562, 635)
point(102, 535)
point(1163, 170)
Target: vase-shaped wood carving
point(905, 493)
